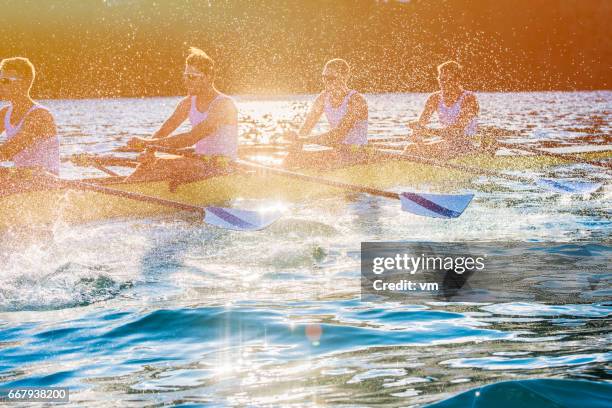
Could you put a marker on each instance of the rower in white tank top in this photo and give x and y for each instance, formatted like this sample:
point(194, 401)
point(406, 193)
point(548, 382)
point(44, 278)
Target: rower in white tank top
point(224, 141)
point(358, 134)
point(448, 115)
point(43, 154)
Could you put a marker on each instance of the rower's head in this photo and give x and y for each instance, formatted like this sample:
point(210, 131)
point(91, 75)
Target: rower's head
point(199, 72)
point(16, 77)
point(336, 73)
point(449, 75)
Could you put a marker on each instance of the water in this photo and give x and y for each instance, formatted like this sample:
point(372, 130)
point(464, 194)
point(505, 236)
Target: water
point(168, 311)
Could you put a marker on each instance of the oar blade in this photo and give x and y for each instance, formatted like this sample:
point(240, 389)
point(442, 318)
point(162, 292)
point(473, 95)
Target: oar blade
point(569, 187)
point(240, 220)
point(435, 205)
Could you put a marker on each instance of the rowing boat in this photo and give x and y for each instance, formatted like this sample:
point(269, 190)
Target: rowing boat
point(43, 206)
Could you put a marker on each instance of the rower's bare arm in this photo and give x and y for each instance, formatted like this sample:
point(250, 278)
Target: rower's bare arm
point(180, 114)
point(313, 116)
point(2, 115)
point(38, 125)
point(357, 110)
point(429, 109)
point(222, 113)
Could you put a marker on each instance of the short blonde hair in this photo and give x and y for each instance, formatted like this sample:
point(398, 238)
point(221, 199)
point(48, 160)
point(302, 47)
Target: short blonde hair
point(21, 65)
point(451, 68)
point(201, 61)
point(339, 65)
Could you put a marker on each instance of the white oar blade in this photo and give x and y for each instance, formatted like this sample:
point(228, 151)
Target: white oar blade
point(240, 220)
point(435, 205)
point(569, 187)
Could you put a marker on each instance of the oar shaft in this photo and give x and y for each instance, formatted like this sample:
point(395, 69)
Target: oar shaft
point(313, 179)
point(242, 149)
point(563, 156)
point(79, 185)
point(447, 165)
point(188, 152)
point(93, 160)
point(103, 169)
point(116, 161)
point(389, 139)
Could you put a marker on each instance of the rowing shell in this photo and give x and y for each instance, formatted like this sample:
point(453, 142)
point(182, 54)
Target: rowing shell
point(48, 206)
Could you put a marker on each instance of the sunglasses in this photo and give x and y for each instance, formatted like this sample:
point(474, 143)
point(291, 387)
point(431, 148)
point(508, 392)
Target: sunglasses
point(8, 80)
point(193, 77)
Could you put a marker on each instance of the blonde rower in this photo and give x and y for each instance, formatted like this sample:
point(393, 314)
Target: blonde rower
point(457, 111)
point(214, 128)
point(346, 111)
point(31, 137)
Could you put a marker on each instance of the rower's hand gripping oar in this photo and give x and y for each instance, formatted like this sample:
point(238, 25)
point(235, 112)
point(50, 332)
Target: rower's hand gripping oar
point(227, 218)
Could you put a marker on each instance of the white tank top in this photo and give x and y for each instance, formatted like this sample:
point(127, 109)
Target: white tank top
point(222, 142)
point(358, 134)
point(449, 115)
point(44, 153)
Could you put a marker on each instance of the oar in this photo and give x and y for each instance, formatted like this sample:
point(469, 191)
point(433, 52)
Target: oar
point(559, 186)
point(563, 156)
point(104, 169)
point(92, 160)
point(423, 204)
point(394, 139)
point(382, 143)
point(498, 133)
point(227, 218)
point(100, 162)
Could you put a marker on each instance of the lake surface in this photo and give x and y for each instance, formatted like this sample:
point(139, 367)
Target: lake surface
point(167, 311)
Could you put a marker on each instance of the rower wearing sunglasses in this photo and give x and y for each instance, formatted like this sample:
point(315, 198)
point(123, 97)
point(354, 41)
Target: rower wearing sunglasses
point(346, 111)
point(31, 138)
point(214, 129)
point(457, 111)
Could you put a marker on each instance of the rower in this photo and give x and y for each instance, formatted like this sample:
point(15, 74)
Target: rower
point(214, 129)
point(31, 139)
point(457, 111)
point(347, 113)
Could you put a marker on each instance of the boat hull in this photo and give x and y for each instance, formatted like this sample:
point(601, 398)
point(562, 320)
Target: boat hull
point(52, 206)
